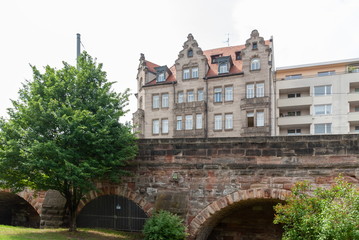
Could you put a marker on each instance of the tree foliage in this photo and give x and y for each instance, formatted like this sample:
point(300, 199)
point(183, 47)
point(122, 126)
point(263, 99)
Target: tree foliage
point(164, 225)
point(322, 214)
point(63, 133)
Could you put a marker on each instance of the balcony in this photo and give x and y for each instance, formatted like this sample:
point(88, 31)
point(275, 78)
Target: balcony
point(353, 117)
point(189, 107)
point(262, 102)
point(292, 102)
point(255, 131)
point(295, 120)
point(353, 97)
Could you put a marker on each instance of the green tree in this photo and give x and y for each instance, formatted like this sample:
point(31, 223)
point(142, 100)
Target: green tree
point(63, 133)
point(164, 225)
point(322, 214)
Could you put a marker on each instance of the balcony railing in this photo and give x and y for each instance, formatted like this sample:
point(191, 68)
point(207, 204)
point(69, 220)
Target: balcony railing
point(256, 131)
point(295, 120)
point(291, 102)
point(315, 76)
point(255, 102)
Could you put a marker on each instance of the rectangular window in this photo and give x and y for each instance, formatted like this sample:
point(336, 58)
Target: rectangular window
point(195, 72)
point(293, 113)
point(185, 73)
point(228, 93)
point(296, 76)
point(250, 91)
point(165, 100)
point(155, 101)
point(323, 90)
point(180, 97)
point(161, 77)
point(356, 108)
point(238, 55)
point(217, 122)
point(179, 123)
point(254, 45)
point(155, 126)
point(250, 119)
point(199, 121)
point(323, 109)
point(223, 68)
point(293, 95)
point(200, 95)
point(260, 90)
point(260, 119)
point(228, 121)
point(356, 129)
point(190, 96)
point(294, 131)
point(218, 95)
point(323, 128)
point(189, 122)
point(164, 125)
point(327, 73)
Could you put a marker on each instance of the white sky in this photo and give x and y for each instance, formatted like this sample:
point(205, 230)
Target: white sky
point(43, 32)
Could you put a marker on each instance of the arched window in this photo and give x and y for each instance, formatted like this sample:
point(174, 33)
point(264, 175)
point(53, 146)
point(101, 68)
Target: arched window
point(255, 64)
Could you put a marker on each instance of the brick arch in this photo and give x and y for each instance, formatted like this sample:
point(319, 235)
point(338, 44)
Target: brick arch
point(120, 191)
point(34, 198)
point(198, 223)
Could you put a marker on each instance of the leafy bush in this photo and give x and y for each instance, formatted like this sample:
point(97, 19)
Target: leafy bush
point(324, 214)
point(164, 225)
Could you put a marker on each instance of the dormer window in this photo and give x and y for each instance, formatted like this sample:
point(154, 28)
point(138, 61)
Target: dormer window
point(238, 55)
point(161, 73)
point(255, 64)
point(254, 46)
point(190, 53)
point(214, 58)
point(224, 64)
point(223, 67)
point(161, 77)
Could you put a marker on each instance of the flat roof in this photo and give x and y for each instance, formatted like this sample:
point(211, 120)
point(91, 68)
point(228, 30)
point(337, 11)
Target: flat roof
point(352, 60)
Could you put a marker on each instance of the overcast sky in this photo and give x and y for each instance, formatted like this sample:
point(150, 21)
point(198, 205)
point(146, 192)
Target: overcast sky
point(43, 32)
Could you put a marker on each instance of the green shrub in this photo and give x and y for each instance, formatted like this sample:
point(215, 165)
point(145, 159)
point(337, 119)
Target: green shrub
point(164, 225)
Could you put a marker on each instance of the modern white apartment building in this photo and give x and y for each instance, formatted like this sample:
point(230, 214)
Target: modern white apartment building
point(319, 98)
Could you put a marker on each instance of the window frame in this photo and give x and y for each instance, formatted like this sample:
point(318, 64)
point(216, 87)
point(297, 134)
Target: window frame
point(163, 126)
point(327, 109)
point(161, 77)
point(250, 92)
point(188, 122)
point(325, 92)
point(218, 122)
point(255, 64)
point(217, 95)
point(199, 121)
point(250, 116)
point(179, 124)
point(196, 72)
point(155, 131)
point(223, 68)
point(198, 94)
point(327, 128)
point(186, 74)
point(259, 90)
point(228, 93)
point(180, 97)
point(190, 96)
point(260, 121)
point(155, 101)
point(164, 100)
point(228, 121)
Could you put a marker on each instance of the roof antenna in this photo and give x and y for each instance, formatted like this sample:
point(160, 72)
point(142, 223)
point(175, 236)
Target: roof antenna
point(227, 41)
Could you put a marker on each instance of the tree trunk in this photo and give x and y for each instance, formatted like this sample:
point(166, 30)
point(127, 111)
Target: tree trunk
point(73, 227)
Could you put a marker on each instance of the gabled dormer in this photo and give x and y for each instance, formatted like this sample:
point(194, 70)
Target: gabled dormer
point(162, 73)
point(224, 64)
point(191, 64)
point(145, 71)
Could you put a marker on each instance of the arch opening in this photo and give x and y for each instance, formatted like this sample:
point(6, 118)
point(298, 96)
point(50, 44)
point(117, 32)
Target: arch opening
point(114, 212)
point(249, 219)
point(16, 211)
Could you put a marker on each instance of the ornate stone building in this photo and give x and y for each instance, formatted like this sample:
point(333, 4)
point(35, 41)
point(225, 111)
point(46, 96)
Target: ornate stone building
point(222, 92)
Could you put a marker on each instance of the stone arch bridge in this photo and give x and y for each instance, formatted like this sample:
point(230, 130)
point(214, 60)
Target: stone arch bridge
point(224, 188)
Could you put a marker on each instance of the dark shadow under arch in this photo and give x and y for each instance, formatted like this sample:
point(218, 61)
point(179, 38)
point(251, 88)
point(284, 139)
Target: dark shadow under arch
point(16, 211)
point(112, 211)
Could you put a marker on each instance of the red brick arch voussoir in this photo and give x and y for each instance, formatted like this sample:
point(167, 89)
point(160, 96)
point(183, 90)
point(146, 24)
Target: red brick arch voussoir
point(201, 218)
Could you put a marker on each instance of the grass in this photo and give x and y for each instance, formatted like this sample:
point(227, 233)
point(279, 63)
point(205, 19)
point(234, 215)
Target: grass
point(21, 233)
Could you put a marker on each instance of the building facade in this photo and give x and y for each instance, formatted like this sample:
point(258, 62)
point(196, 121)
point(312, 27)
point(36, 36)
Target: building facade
point(320, 98)
point(222, 92)
point(234, 91)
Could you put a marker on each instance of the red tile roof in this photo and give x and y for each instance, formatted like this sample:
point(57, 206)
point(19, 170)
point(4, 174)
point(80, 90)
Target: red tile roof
point(226, 51)
point(213, 67)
